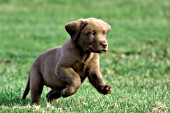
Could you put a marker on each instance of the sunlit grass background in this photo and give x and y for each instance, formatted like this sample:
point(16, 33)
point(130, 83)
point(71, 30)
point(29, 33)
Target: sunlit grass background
point(137, 65)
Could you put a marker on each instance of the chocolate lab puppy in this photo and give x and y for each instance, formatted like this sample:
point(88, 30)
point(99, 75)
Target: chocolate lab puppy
point(64, 69)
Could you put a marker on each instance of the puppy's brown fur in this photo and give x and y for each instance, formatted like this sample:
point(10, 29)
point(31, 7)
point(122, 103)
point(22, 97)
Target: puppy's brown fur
point(64, 69)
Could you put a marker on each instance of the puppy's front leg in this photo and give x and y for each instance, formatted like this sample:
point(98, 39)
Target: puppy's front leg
point(70, 79)
point(96, 79)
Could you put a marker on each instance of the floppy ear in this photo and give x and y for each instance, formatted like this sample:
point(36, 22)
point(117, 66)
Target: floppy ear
point(74, 28)
point(107, 27)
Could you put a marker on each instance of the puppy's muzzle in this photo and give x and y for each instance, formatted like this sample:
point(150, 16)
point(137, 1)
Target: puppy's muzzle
point(103, 44)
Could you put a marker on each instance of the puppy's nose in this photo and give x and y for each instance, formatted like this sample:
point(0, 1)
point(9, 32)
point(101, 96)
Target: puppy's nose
point(103, 44)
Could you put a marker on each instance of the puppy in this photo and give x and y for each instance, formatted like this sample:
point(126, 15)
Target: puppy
point(64, 69)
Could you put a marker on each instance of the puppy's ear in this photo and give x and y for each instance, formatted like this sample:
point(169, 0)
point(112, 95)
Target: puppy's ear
point(107, 27)
point(75, 27)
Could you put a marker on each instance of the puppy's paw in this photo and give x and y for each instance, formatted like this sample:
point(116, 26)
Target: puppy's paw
point(52, 96)
point(49, 98)
point(106, 90)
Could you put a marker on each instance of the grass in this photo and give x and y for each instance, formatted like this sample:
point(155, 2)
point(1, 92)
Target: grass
point(137, 65)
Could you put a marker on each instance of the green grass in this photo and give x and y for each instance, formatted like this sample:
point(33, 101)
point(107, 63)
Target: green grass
point(137, 65)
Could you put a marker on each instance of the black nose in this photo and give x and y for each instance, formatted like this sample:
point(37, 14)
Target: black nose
point(104, 44)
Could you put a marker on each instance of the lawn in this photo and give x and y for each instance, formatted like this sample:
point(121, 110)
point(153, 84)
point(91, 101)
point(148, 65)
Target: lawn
point(137, 65)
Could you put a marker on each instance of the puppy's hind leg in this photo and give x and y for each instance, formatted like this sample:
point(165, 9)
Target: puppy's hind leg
point(36, 86)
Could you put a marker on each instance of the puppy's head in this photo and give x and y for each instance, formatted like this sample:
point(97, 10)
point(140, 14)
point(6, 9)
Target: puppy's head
point(89, 34)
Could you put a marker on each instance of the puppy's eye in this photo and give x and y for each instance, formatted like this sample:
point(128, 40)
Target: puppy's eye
point(91, 33)
point(104, 33)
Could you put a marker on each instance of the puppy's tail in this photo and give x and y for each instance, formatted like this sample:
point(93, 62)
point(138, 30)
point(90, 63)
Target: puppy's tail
point(26, 89)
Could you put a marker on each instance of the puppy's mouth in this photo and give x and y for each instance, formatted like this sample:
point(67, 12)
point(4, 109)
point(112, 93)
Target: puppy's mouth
point(97, 51)
point(100, 51)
